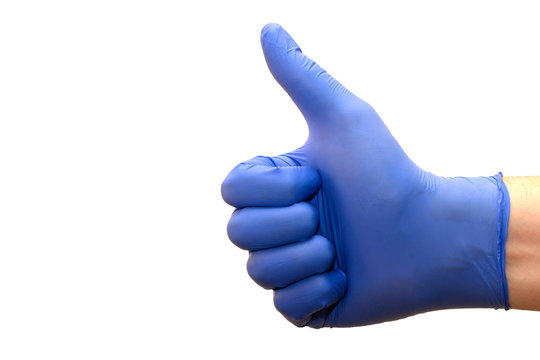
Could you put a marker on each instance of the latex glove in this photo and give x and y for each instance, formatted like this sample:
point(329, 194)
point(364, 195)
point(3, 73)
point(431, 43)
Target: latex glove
point(347, 229)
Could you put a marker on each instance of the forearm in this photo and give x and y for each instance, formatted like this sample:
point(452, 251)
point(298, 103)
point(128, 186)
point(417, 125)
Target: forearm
point(523, 242)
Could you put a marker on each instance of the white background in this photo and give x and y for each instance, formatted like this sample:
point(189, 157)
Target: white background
point(120, 119)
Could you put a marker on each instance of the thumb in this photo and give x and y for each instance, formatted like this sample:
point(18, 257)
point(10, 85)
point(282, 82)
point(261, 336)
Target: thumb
point(314, 91)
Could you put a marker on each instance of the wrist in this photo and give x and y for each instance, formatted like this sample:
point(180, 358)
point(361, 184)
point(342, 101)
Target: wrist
point(523, 243)
point(471, 215)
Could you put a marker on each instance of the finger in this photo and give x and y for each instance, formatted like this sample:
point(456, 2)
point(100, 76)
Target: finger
point(253, 184)
point(256, 228)
point(314, 91)
point(284, 265)
point(299, 301)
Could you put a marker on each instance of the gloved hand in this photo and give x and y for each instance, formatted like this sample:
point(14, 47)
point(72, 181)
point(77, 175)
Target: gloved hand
point(346, 229)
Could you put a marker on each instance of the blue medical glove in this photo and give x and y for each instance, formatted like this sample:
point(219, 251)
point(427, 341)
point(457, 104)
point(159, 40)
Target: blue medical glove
point(349, 231)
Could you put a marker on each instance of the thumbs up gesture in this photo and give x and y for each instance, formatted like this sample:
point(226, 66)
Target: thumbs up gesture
point(346, 229)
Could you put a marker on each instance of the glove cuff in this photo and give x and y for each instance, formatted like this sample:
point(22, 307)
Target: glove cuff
point(503, 200)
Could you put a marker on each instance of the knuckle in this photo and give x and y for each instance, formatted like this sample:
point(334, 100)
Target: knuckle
point(307, 215)
point(229, 187)
point(327, 247)
point(255, 267)
point(323, 284)
point(235, 231)
point(283, 306)
point(310, 209)
point(290, 187)
point(326, 251)
point(280, 303)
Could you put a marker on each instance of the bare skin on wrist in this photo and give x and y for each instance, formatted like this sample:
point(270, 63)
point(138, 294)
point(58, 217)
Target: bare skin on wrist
point(523, 242)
